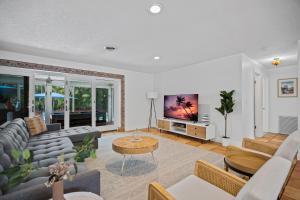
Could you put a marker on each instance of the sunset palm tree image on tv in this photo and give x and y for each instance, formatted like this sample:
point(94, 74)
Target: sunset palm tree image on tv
point(184, 107)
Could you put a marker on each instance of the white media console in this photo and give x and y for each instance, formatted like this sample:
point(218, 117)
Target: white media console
point(196, 130)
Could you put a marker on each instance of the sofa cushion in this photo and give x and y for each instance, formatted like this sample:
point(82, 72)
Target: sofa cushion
point(5, 163)
point(267, 182)
point(13, 136)
point(29, 184)
point(45, 152)
point(76, 134)
point(36, 125)
point(288, 149)
point(195, 188)
point(2, 126)
point(41, 176)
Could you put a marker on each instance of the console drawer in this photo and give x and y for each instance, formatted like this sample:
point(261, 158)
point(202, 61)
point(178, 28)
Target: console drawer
point(200, 132)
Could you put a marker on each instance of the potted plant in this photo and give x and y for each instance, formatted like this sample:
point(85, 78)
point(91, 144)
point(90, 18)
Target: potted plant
point(227, 104)
point(59, 172)
point(16, 174)
point(85, 150)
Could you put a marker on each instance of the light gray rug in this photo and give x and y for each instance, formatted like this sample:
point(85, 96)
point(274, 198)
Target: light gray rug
point(175, 161)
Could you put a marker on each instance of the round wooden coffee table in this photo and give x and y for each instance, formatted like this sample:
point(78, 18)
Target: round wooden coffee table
point(244, 163)
point(131, 145)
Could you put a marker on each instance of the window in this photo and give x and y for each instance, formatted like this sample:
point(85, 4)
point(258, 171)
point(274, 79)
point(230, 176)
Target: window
point(13, 97)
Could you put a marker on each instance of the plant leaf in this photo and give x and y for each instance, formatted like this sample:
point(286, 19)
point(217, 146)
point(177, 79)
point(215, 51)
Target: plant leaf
point(93, 154)
point(15, 154)
point(26, 154)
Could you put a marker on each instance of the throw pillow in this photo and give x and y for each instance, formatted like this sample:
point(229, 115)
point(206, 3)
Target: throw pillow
point(36, 125)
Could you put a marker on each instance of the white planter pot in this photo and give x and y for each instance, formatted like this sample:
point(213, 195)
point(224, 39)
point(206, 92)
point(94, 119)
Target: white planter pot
point(225, 142)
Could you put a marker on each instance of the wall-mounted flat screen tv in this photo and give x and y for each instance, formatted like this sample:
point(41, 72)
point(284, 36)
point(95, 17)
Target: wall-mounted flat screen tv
point(184, 107)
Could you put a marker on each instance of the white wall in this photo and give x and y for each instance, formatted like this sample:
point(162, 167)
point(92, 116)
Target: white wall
point(206, 79)
point(280, 106)
point(298, 54)
point(251, 70)
point(136, 86)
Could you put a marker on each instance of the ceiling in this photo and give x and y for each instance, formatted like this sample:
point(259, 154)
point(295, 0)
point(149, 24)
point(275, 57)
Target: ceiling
point(184, 33)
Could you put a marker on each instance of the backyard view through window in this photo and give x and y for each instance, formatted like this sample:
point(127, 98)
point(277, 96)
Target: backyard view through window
point(50, 102)
point(80, 104)
point(104, 106)
point(13, 97)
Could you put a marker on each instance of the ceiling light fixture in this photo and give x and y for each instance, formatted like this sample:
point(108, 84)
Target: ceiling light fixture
point(155, 8)
point(156, 57)
point(276, 62)
point(110, 48)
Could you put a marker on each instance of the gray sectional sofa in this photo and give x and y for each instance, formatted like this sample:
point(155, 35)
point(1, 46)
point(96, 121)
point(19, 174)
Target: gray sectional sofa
point(44, 148)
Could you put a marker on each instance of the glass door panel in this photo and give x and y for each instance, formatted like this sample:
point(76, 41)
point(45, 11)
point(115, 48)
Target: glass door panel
point(14, 91)
point(80, 103)
point(104, 104)
point(58, 97)
point(49, 97)
point(39, 100)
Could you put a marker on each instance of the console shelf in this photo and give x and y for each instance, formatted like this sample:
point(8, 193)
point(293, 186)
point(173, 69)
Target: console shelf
point(195, 130)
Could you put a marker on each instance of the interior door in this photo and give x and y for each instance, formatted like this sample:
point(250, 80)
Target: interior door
point(258, 106)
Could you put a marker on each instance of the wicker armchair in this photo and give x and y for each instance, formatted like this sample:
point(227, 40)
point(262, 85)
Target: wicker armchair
point(258, 146)
point(211, 182)
point(208, 172)
point(250, 157)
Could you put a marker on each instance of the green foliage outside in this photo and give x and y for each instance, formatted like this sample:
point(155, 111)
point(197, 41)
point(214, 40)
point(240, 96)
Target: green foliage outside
point(82, 98)
point(102, 100)
point(39, 102)
point(58, 103)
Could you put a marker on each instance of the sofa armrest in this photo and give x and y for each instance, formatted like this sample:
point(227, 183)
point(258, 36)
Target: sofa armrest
point(259, 146)
point(219, 177)
point(87, 181)
point(53, 127)
point(158, 192)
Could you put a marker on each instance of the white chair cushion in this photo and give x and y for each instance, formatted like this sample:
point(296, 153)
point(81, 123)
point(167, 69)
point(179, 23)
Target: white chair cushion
point(296, 135)
point(195, 188)
point(288, 149)
point(267, 182)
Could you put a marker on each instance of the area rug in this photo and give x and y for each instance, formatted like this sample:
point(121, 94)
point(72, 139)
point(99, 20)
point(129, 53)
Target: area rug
point(174, 161)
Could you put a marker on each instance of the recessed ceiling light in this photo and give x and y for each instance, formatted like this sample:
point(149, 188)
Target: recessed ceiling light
point(155, 8)
point(156, 57)
point(110, 48)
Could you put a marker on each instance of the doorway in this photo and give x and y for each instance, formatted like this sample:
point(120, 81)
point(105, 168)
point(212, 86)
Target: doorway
point(76, 101)
point(258, 105)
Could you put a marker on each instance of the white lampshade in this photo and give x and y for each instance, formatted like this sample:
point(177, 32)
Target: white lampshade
point(152, 95)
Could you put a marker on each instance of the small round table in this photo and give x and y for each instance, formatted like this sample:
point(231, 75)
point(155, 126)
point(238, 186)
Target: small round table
point(81, 196)
point(244, 163)
point(131, 145)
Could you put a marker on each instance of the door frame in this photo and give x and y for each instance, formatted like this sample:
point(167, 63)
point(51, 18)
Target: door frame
point(28, 69)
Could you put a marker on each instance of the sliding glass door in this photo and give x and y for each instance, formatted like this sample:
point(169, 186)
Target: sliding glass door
point(75, 101)
point(104, 106)
point(80, 103)
point(49, 98)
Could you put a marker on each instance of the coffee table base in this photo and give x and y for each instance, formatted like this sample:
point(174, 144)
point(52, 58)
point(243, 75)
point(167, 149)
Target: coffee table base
point(124, 159)
point(227, 166)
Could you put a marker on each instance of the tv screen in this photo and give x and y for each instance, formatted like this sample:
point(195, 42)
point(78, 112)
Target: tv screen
point(183, 106)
